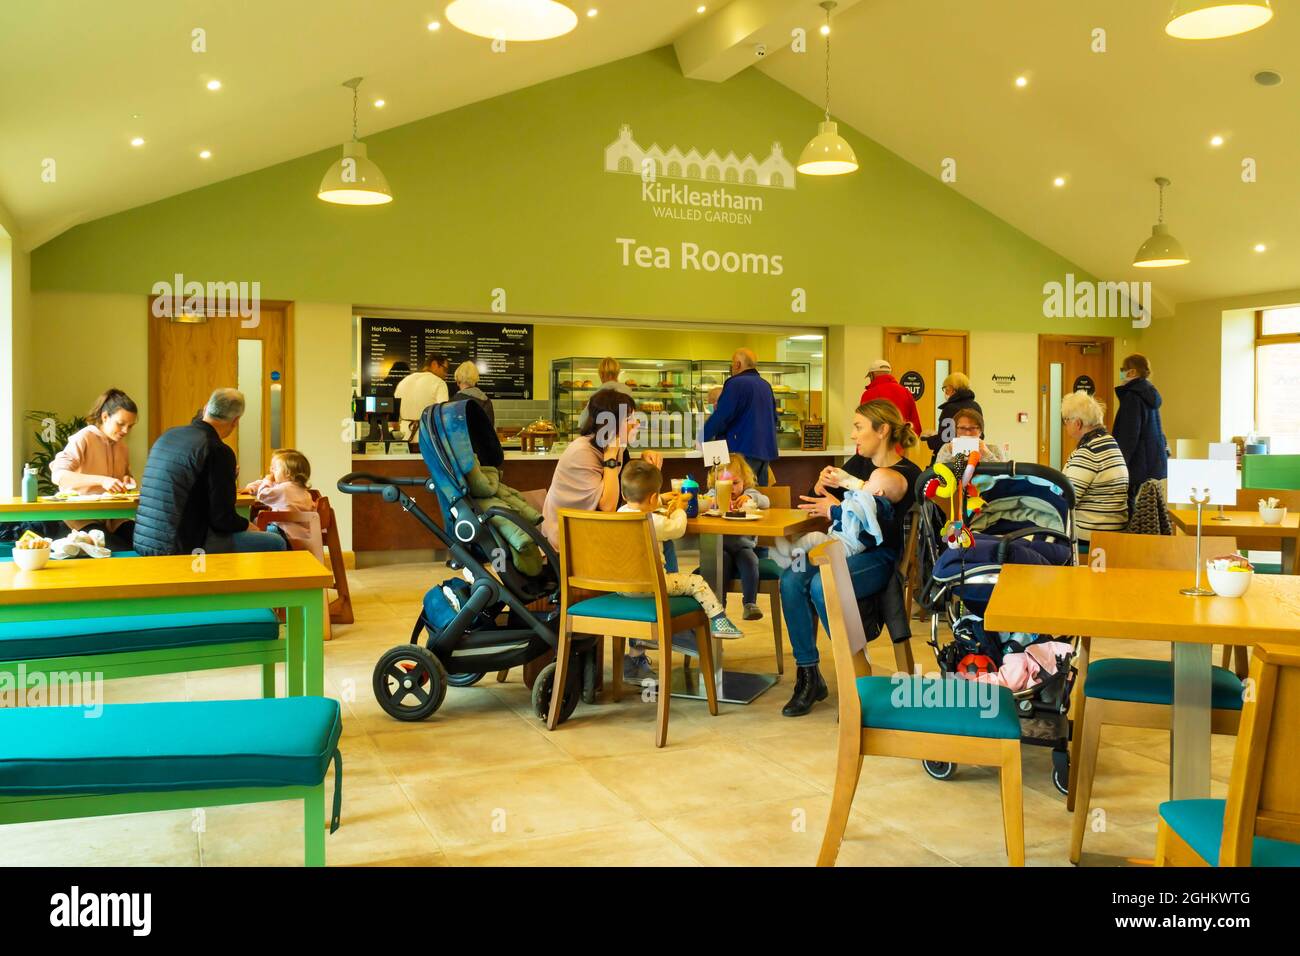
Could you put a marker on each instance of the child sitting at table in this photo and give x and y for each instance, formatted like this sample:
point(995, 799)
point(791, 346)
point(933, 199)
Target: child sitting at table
point(739, 554)
point(641, 482)
point(863, 509)
point(286, 488)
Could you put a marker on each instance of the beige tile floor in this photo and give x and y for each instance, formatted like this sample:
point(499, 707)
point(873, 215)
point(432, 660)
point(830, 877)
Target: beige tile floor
point(483, 782)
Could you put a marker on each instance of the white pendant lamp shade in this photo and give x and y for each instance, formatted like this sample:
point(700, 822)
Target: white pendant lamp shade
point(1212, 19)
point(1162, 249)
point(519, 20)
point(354, 180)
point(828, 153)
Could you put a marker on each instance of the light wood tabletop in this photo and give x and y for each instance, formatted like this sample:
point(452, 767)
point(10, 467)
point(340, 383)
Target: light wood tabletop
point(1233, 523)
point(1142, 605)
point(128, 579)
point(772, 523)
point(15, 509)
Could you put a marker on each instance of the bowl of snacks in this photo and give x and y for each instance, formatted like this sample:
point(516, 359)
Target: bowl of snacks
point(1229, 575)
point(1271, 511)
point(31, 551)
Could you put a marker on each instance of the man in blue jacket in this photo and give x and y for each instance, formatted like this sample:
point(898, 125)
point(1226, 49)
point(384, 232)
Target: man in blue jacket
point(745, 415)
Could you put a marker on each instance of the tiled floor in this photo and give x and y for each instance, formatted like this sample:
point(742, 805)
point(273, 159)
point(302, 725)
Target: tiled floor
point(483, 782)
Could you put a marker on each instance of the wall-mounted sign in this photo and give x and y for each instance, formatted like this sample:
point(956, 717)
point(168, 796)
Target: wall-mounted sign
point(393, 348)
point(812, 436)
point(1004, 384)
point(1085, 384)
point(914, 383)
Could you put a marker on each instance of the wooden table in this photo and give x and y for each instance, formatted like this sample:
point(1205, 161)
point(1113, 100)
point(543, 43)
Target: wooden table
point(15, 509)
point(739, 687)
point(1146, 605)
point(1247, 527)
point(294, 580)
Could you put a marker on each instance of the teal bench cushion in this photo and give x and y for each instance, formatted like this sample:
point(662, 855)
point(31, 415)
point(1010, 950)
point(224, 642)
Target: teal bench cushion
point(183, 745)
point(907, 703)
point(24, 641)
point(616, 607)
point(1200, 824)
point(1152, 682)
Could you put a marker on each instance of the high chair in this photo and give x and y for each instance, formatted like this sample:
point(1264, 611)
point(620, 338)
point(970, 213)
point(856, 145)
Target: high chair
point(1129, 692)
point(769, 577)
point(340, 609)
point(614, 555)
point(872, 723)
point(264, 518)
point(1259, 823)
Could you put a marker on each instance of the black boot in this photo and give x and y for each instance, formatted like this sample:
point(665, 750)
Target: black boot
point(808, 689)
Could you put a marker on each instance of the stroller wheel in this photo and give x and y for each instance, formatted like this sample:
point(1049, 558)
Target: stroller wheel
point(543, 687)
point(939, 769)
point(1061, 770)
point(409, 682)
point(464, 680)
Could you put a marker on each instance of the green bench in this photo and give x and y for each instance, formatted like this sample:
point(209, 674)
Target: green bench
point(59, 763)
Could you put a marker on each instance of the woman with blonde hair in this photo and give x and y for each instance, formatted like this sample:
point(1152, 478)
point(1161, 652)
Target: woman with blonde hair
point(1095, 468)
point(878, 432)
point(608, 370)
point(467, 388)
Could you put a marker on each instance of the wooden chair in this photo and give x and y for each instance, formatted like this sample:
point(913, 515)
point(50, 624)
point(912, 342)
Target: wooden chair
point(769, 578)
point(340, 609)
point(1124, 692)
point(1259, 823)
point(1248, 500)
point(615, 555)
point(871, 723)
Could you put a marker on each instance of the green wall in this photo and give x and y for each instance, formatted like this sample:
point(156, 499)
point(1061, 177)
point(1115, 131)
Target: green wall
point(511, 193)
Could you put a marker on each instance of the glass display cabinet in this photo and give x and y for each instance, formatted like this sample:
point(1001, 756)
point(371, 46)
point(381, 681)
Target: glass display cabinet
point(790, 386)
point(660, 387)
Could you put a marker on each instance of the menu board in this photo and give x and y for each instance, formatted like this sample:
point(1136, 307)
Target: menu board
point(391, 349)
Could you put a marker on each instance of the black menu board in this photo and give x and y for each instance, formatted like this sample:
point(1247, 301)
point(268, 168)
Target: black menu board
point(393, 348)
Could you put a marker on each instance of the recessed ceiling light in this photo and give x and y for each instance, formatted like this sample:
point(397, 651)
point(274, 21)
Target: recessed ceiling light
point(1022, 81)
point(138, 141)
point(592, 12)
point(1058, 182)
point(205, 154)
point(434, 25)
point(1216, 140)
point(214, 85)
point(1268, 78)
point(379, 104)
point(701, 8)
point(1260, 247)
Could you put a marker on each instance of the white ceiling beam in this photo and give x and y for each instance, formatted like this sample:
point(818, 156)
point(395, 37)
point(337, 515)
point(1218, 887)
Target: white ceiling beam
point(724, 43)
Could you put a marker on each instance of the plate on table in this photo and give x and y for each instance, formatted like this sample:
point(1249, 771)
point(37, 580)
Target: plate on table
point(747, 516)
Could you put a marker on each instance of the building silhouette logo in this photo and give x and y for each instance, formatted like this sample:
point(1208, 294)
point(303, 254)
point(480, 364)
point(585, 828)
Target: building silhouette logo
point(626, 155)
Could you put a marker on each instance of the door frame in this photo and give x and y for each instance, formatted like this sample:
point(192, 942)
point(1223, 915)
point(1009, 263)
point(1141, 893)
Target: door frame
point(1107, 342)
point(289, 380)
point(963, 334)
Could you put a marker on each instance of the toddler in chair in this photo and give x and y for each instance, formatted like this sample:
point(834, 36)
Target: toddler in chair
point(739, 552)
point(286, 488)
point(863, 508)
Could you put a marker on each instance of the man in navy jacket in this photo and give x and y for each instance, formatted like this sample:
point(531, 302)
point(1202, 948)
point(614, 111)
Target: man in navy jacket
point(746, 415)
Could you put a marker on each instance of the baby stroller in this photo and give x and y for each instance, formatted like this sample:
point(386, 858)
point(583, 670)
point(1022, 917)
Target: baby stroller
point(1024, 519)
point(491, 616)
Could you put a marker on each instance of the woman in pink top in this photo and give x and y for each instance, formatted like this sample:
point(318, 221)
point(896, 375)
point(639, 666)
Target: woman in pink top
point(286, 488)
point(96, 460)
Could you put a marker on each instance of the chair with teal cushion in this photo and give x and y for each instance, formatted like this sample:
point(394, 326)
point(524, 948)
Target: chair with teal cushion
point(56, 763)
point(604, 558)
point(1152, 682)
point(941, 720)
point(1259, 823)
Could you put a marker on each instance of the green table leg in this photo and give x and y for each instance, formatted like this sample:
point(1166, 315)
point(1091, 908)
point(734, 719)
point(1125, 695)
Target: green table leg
point(268, 680)
point(313, 827)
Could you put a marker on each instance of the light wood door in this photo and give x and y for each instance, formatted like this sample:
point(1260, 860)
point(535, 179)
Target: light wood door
point(187, 360)
point(921, 361)
point(1069, 363)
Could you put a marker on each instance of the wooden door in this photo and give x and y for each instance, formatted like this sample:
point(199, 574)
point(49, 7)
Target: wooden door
point(187, 360)
point(1070, 363)
point(921, 361)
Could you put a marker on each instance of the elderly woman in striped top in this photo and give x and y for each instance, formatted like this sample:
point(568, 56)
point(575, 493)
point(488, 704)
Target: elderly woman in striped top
point(1095, 468)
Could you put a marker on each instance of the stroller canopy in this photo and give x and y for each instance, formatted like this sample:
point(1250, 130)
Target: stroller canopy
point(451, 435)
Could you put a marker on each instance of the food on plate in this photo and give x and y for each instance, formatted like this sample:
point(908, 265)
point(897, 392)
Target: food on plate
point(1230, 562)
point(31, 541)
point(737, 514)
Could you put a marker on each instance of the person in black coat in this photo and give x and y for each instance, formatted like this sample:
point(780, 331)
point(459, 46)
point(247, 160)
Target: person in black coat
point(959, 397)
point(187, 492)
point(1138, 431)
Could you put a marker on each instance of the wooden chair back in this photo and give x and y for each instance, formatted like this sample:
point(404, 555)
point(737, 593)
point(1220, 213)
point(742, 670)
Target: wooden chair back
point(605, 552)
point(1263, 799)
point(1154, 552)
point(1248, 499)
point(848, 637)
point(778, 495)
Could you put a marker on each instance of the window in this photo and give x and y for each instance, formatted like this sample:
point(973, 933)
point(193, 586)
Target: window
point(1277, 378)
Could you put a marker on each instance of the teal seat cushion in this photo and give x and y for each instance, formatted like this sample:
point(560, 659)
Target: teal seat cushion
point(928, 705)
point(617, 607)
point(183, 745)
point(1200, 824)
point(26, 640)
point(1152, 682)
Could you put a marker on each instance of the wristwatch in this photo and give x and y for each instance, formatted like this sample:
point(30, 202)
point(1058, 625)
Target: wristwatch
point(612, 462)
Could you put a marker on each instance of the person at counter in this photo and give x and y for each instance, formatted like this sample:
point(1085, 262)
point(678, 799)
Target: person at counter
point(587, 477)
point(608, 370)
point(96, 461)
point(467, 385)
point(421, 389)
point(745, 415)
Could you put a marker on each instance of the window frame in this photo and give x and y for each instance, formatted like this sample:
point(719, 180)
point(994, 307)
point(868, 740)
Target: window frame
point(1262, 340)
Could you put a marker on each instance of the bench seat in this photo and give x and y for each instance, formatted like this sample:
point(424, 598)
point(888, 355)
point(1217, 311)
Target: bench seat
point(110, 635)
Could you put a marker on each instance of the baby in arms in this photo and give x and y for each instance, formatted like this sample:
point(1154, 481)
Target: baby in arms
point(855, 521)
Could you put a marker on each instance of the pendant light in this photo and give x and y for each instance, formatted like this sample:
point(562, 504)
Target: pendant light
point(1161, 249)
point(828, 153)
point(1211, 19)
point(512, 19)
point(354, 180)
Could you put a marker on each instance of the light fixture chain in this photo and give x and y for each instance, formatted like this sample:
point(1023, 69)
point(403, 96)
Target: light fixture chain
point(1162, 203)
point(828, 64)
point(354, 114)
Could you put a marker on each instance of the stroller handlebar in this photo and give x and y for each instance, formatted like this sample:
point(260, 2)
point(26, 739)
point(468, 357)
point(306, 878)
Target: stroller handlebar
point(363, 483)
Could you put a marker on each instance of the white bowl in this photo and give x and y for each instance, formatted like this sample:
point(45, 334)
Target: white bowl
point(31, 559)
point(1230, 584)
point(1272, 515)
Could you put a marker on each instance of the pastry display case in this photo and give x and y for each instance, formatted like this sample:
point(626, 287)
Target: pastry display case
point(790, 383)
point(660, 387)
